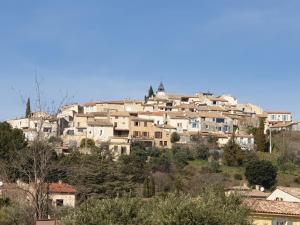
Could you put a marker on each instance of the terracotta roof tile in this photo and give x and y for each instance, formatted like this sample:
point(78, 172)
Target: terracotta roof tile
point(61, 188)
point(273, 207)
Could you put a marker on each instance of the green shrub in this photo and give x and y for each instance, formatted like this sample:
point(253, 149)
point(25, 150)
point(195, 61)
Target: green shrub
point(201, 152)
point(87, 142)
point(297, 180)
point(261, 173)
point(215, 166)
point(238, 176)
point(211, 207)
point(175, 137)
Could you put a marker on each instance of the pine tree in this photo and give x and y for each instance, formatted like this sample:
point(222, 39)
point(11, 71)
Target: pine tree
point(28, 108)
point(260, 137)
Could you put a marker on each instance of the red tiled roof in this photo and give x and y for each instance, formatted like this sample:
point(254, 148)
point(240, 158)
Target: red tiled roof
point(273, 207)
point(61, 188)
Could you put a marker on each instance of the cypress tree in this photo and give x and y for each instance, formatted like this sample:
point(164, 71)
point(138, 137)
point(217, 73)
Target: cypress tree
point(28, 108)
point(150, 92)
point(151, 187)
point(146, 188)
point(260, 137)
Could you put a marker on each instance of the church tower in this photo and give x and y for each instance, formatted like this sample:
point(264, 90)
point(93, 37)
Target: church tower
point(161, 90)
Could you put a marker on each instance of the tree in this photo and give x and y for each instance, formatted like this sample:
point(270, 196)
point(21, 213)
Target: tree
point(97, 175)
point(11, 141)
point(149, 187)
point(260, 137)
point(161, 163)
point(202, 151)
point(33, 166)
point(152, 187)
point(261, 173)
point(181, 156)
point(233, 154)
point(175, 137)
point(87, 142)
point(211, 207)
point(146, 191)
point(150, 92)
point(28, 108)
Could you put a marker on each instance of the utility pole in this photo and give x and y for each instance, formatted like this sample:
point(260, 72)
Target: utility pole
point(270, 140)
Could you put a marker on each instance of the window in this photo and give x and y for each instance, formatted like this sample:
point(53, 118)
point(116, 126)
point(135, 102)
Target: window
point(115, 148)
point(220, 120)
point(284, 118)
point(59, 202)
point(46, 130)
point(101, 132)
point(136, 123)
point(165, 143)
point(123, 150)
point(78, 124)
point(135, 133)
point(116, 117)
point(194, 125)
point(279, 199)
point(281, 222)
point(158, 134)
point(161, 143)
point(115, 124)
point(80, 130)
point(145, 124)
point(179, 124)
point(145, 134)
point(70, 132)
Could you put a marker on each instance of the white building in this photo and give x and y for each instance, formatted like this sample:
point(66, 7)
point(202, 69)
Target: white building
point(275, 117)
point(62, 194)
point(286, 194)
point(100, 130)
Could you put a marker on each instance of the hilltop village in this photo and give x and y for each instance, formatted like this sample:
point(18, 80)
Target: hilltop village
point(167, 148)
point(153, 121)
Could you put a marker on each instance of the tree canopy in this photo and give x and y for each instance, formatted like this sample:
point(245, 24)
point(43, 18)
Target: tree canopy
point(211, 207)
point(262, 173)
point(233, 154)
point(11, 141)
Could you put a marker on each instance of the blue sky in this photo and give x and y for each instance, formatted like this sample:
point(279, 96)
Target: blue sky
point(95, 50)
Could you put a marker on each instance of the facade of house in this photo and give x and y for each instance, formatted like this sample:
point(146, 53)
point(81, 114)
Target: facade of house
point(264, 212)
point(62, 194)
point(144, 130)
point(37, 124)
point(287, 194)
point(276, 117)
point(119, 146)
point(100, 130)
